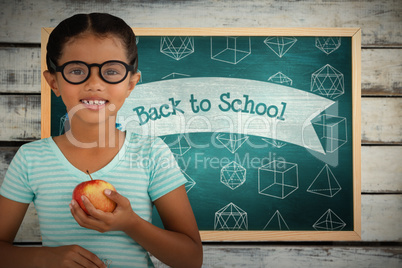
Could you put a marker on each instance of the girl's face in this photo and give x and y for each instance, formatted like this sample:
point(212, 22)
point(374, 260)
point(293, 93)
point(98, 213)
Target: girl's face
point(94, 100)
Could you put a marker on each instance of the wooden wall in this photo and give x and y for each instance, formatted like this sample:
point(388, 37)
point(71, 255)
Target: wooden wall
point(381, 24)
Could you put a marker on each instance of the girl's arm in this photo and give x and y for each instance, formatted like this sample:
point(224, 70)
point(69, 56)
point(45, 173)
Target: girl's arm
point(11, 214)
point(178, 245)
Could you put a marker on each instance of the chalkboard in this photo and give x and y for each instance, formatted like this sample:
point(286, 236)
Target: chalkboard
point(264, 123)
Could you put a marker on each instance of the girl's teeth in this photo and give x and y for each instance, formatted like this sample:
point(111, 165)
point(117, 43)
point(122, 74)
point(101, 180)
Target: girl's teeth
point(94, 102)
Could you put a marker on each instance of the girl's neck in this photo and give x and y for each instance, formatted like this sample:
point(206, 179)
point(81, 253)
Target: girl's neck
point(87, 136)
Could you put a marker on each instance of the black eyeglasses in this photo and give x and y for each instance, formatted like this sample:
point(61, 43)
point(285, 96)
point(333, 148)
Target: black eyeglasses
point(77, 72)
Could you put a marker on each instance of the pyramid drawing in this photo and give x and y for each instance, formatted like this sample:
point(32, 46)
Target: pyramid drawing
point(329, 221)
point(280, 44)
point(280, 78)
point(325, 183)
point(275, 143)
point(276, 223)
point(174, 76)
point(231, 141)
point(179, 145)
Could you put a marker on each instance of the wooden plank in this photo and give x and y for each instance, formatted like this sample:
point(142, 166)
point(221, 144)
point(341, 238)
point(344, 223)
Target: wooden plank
point(379, 20)
point(20, 71)
point(381, 120)
point(381, 169)
point(381, 220)
point(382, 72)
point(298, 256)
point(6, 155)
point(20, 118)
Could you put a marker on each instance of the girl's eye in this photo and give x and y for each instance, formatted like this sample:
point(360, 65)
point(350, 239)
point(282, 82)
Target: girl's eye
point(77, 72)
point(111, 72)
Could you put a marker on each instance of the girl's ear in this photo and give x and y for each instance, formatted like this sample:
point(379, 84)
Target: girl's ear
point(52, 82)
point(134, 79)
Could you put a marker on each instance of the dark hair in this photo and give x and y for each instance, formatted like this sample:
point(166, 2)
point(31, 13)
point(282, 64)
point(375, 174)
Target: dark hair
point(100, 24)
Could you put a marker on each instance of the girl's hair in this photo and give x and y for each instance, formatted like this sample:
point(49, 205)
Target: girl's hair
point(100, 24)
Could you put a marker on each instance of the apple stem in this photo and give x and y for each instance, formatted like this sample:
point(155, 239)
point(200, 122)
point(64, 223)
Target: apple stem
point(90, 175)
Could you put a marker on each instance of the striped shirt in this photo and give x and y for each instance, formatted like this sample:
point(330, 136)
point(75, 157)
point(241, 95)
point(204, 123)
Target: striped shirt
point(142, 171)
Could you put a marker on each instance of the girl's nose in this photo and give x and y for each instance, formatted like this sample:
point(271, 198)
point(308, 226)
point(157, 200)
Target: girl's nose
point(95, 81)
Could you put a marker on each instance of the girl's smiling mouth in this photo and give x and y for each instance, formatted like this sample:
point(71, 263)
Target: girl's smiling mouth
point(94, 104)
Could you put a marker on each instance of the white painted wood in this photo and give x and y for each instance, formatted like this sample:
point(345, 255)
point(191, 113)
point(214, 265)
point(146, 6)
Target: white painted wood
point(20, 117)
point(381, 120)
point(381, 72)
point(380, 21)
point(381, 218)
point(6, 155)
point(20, 70)
point(381, 169)
point(297, 256)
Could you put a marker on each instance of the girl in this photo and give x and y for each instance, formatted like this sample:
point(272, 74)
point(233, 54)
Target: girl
point(92, 63)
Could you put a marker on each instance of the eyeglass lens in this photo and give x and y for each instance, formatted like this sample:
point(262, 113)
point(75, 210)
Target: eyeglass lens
point(77, 72)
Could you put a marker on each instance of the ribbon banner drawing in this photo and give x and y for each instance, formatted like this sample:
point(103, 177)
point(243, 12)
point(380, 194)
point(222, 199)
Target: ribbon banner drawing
point(227, 105)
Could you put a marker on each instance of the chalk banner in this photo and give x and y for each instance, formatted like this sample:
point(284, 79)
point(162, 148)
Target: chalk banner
point(261, 127)
point(224, 105)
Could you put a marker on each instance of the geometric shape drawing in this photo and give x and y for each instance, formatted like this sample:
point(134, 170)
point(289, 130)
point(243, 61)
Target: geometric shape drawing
point(331, 130)
point(325, 183)
point(329, 221)
point(233, 175)
point(280, 78)
point(64, 124)
point(179, 145)
point(278, 179)
point(231, 217)
point(275, 143)
point(327, 44)
point(190, 182)
point(276, 223)
point(328, 82)
point(174, 76)
point(230, 49)
point(280, 44)
point(231, 141)
point(177, 47)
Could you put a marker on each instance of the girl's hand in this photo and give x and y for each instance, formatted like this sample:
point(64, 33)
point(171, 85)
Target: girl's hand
point(118, 220)
point(72, 256)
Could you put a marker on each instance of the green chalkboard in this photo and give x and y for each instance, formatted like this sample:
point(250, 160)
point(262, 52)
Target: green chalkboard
point(263, 125)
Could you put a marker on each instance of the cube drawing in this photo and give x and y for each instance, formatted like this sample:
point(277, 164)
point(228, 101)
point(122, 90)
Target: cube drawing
point(278, 179)
point(331, 131)
point(230, 49)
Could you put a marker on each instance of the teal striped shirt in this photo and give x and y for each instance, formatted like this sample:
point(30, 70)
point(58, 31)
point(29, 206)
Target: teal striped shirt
point(143, 170)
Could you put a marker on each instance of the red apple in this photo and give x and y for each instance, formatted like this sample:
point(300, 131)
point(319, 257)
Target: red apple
point(93, 190)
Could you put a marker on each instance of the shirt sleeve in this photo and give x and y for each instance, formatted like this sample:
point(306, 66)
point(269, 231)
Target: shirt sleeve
point(165, 173)
point(15, 185)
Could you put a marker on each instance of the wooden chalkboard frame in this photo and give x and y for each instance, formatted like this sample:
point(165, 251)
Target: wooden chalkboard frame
point(353, 33)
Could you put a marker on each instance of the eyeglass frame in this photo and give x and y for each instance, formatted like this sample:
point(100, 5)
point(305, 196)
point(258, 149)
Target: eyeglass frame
point(129, 68)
